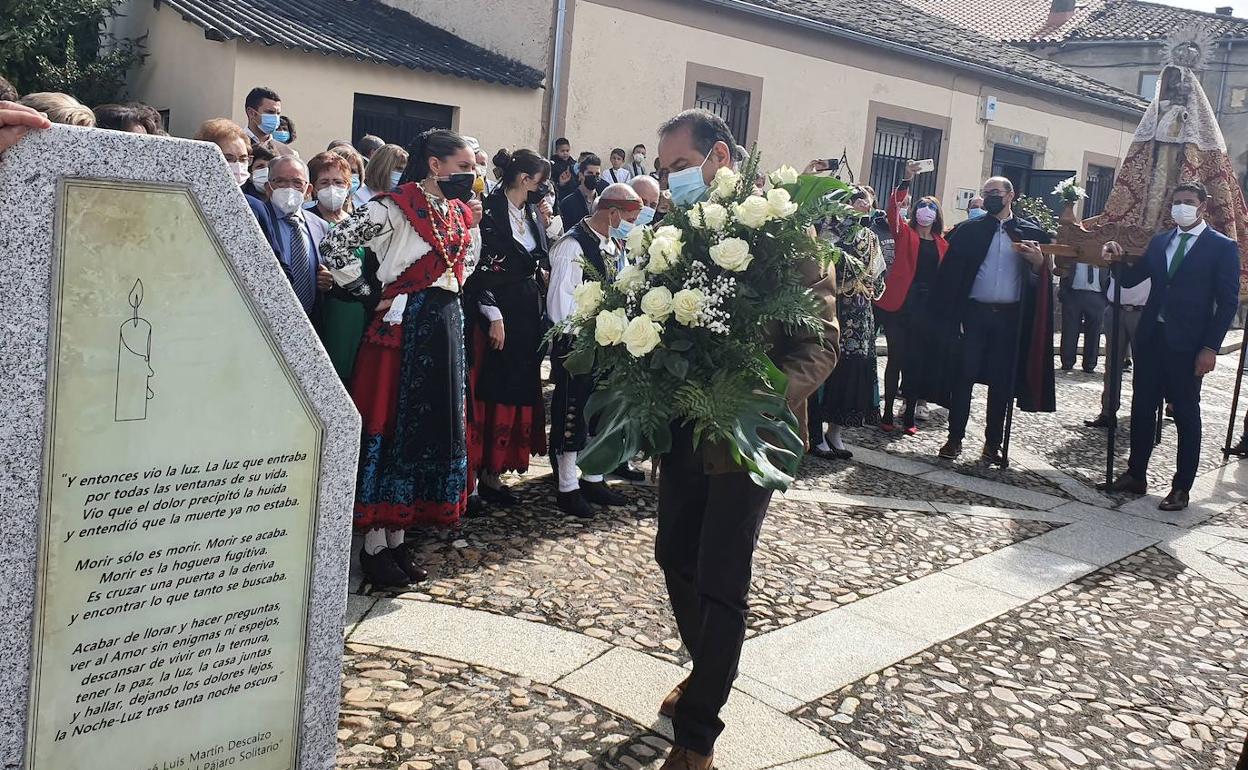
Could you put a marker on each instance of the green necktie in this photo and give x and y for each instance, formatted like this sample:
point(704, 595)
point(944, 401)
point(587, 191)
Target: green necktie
point(1178, 255)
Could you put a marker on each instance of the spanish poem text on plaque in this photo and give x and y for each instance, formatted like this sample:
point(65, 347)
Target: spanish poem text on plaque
point(179, 497)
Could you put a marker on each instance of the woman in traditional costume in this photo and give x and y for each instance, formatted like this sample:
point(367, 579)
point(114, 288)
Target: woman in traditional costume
point(503, 305)
point(408, 381)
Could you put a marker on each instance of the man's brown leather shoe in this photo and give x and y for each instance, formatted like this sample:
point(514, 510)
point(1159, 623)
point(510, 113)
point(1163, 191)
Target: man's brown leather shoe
point(951, 449)
point(992, 456)
point(1128, 483)
point(1175, 501)
point(685, 759)
point(668, 707)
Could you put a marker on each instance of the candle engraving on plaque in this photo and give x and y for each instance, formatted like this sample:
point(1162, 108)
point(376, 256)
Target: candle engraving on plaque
point(134, 362)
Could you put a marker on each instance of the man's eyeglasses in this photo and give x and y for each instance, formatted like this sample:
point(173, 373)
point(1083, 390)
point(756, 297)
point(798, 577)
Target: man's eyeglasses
point(294, 184)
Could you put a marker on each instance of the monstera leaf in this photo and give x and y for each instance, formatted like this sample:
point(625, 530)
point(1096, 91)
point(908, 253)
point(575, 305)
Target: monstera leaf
point(765, 434)
point(618, 434)
point(812, 187)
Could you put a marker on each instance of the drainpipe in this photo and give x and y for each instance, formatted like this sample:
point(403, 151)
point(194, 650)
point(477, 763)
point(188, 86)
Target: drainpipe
point(556, 74)
point(1226, 65)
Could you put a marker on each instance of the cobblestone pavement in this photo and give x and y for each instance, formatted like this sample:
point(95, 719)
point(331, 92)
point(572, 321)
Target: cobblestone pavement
point(1119, 646)
point(1138, 666)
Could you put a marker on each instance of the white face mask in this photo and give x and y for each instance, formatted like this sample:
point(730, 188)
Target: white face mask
point(260, 176)
point(639, 157)
point(239, 172)
point(332, 198)
point(1184, 214)
point(286, 200)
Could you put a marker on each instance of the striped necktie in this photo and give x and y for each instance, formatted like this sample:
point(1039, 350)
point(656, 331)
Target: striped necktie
point(302, 277)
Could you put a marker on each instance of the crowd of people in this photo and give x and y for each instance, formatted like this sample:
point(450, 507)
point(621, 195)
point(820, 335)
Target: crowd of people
point(434, 272)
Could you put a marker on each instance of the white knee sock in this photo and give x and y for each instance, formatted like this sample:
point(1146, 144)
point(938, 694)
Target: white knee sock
point(834, 438)
point(395, 538)
point(592, 477)
point(375, 541)
point(567, 472)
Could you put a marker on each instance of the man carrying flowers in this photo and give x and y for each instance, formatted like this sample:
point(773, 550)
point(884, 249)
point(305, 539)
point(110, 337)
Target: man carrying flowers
point(581, 263)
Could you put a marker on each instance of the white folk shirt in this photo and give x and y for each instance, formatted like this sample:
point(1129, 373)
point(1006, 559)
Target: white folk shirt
point(614, 175)
point(566, 273)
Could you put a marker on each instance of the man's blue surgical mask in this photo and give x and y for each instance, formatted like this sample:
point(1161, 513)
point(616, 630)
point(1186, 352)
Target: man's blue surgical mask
point(646, 216)
point(282, 136)
point(622, 230)
point(269, 122)
point(687, 185)
point(975, 213)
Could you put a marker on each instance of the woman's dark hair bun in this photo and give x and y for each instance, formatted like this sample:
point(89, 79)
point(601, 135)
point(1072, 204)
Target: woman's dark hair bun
point(502, 159)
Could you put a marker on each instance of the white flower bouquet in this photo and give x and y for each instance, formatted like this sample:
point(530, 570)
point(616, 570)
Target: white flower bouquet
point(1069, 192)
point(681, 335)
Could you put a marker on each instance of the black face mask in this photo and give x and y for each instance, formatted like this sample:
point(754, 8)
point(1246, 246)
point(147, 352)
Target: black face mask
point(535, 196)
point(994, 204)
point(458, 186)
point(591, 181)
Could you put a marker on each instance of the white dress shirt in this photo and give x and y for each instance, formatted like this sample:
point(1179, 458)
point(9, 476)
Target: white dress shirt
point(567, 272)
point(1172, 248)
point(1136, 296)
point(1086, 278)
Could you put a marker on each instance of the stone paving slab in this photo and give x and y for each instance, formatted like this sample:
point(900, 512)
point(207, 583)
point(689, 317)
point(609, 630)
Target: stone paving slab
point(1023, 571)
point(1135, 667)
point(936, 607)
point(996, 489)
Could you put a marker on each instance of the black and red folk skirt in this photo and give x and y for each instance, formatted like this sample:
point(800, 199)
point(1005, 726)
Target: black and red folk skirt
point(409, 387)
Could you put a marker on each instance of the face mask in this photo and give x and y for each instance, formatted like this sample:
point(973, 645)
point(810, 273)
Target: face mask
point(282, 136)
point(332, 198)
point(536, 196)
point(239, 172)
point(639, 158)
point(395, 178)
point(482, 171)
point(457, 185)
point(1183, 214)
point(975, 213)
point(286, 200)
point(687, 185)
point(591, 181)
point(646, 216)
point(260, 177)
point(994, 204)
point(355, 183)
point(925, 216)
point(269, 122)
point(622, 230)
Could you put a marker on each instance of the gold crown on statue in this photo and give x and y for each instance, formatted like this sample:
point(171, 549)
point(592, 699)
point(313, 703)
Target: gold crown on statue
point(1190, 46)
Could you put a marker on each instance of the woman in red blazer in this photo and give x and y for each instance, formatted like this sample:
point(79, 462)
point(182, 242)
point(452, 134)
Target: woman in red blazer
point(920, 246)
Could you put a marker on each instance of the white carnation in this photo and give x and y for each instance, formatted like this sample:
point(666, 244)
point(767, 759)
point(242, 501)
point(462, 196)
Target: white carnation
point(630, 278)
point(641, 336)
point(609, 327)
point(725, 182)
point(784, 175)
point(780, 203)
point(753, 212)
point(657, 303)
point(732, 254)
point(687, 305)
point(588, 298)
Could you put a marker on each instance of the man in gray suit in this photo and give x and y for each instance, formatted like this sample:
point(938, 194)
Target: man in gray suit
point(1082, 292)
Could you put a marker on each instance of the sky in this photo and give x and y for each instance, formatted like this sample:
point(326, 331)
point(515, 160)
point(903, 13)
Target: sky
point(1240, 6)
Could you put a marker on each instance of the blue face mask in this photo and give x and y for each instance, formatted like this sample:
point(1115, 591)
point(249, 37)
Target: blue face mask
point(282, 136)
point(395, 178)
point(622, 230)
point(355, 183)
point(645, 217)
point(975, 213)
point(269, 122)
point(687, 185)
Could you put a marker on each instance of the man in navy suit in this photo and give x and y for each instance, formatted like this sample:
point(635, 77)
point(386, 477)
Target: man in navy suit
point(283, 221)
point(1195, 277)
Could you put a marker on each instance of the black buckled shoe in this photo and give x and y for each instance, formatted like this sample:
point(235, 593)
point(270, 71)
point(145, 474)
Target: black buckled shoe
point(574, 504)
point(405, 557)
point(629, 473)
point(500, 495)
point(599, 492)
point(381, 570)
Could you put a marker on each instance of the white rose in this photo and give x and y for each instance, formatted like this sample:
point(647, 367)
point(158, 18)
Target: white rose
point(641, 336)
point(753, 212)
point(688, 304)
point(780, 203)
point(588, 298)
point(784, 175)
point(610, 326)
point(732, 254)
point(630, 278)
point(725, 182)
point(636, 242)
point(663, 253)
point(714, 216)
point(657, 303)
point(669, 231)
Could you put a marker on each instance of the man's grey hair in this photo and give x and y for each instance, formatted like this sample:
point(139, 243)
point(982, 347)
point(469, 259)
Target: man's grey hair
point(282, 160)
point(1005, 182)
point(620, 191)
point(647, 181)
